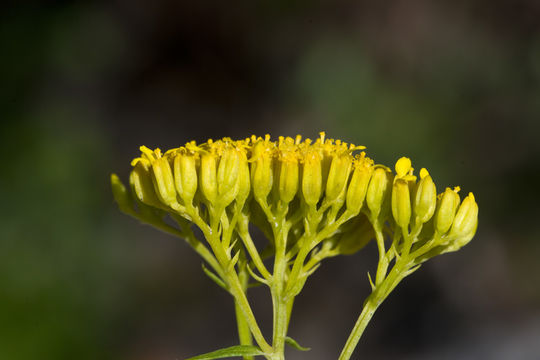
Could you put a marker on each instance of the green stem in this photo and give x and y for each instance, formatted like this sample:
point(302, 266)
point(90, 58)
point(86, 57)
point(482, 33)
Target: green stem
point(417, 253)
point(298, 266)
point(244, 334)
point(375, 299)
point(235, 288)
point(238, 293)
point(309, 241)
point(382, 266)
point(289, 311)
point(231, 277)
point(243, 231)
point(364, 318)
point(279, 304)
point(281, 319)
point(183, 234)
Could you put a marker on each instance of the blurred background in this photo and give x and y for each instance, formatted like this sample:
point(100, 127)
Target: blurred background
point(453, 85)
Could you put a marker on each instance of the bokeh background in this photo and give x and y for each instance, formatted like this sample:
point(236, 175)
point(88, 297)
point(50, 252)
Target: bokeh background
point(454, 85)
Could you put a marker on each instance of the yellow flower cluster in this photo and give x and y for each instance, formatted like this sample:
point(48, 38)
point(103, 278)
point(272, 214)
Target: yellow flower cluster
point(311, 199)
point(324, 179)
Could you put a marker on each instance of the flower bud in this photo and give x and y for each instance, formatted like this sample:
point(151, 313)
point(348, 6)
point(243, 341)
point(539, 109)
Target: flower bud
point(261, 171)
point(121, 195)
point(338, 176)
point(425, 200)
point(377, 192)
point(163, 181)
point(141, 183)
point(244, 185)
point(356, 192)
point(312, 178)
point(466, 218)
point(288, 178)
point(185, 176)
point(446, 211)
point(227, 176)
point(208, 175)
point(401, 203)
point(355, 236)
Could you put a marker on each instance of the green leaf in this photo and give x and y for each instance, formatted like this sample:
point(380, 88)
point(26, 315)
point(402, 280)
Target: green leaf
point(214, 278)
point(371, 281)
point(233, 351)
point(291, 342)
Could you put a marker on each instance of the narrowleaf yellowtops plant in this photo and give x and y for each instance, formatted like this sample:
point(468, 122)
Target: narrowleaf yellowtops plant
point(312, 200)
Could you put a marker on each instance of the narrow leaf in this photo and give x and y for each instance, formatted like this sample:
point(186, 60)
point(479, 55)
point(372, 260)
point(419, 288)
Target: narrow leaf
point(214, 278)
point(291, 342)
point(371, 281)
point(233, 351)
point(255, 276)
point(413, 269)
point(254, 285)
point(233, 261)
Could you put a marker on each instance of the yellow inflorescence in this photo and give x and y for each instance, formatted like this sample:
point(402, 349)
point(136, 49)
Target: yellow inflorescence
point(311, 199)
point(321, 175)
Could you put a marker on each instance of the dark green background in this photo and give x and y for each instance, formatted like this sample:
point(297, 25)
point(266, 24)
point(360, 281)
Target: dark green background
point(453, 85)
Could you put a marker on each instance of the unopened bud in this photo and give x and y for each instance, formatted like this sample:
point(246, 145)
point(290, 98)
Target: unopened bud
point(446, 211)
point(425, 200)
point(401, 203)
point(261, 171)
point(355, 237)
point(288, 178)
point(312, 178)
point(141, 183)
point(378, 191)
point(208, 177)
point(185, 176)
point(338, 176)
point(121, 195)
point(244, 185)
point(466, 218)
point(163, 181)
point(356, 192)
point(227, 176)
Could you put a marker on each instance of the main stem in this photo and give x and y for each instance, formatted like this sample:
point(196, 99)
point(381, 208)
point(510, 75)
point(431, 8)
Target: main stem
point(280, 307)
point(364, 318)
point(374, 300)
point(237, 291)
point(277, 289)
point(244, 334)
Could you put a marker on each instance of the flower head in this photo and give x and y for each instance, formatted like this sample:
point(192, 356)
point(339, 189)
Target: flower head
point(330, 177)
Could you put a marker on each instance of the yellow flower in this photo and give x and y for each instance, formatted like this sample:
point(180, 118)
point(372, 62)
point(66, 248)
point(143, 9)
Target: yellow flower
point(185, 176)
point(312, 199)
point(378, 192)
point(338, 176)
point(425, 200)
point(448, 203)
point(358, 186)
point(312, 177)
point(322, 175)
point(401, 203)
point(262, 175)
point(466, 219)
point(287, 169)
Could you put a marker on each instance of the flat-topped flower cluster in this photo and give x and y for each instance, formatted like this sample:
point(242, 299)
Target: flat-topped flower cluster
point(312, 200)
point(324, 177)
